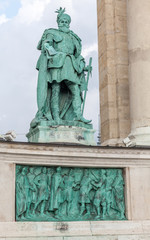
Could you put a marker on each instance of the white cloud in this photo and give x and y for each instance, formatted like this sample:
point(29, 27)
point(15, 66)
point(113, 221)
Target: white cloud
point(3, 19)
point(87, 50)
point(32, 10)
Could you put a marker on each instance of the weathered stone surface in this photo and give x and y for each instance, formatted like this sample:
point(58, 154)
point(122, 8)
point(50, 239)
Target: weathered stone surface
point(113, 71)
point(108, 237)
point(62, 134)
point(7, 192)
point(138, 23)
point(139, 181)
point(84, 230)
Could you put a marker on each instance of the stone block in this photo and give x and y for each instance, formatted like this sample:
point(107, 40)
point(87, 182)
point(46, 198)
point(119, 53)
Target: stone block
point(110, 40)
point(115, 228)
point(124, 128)
point(62, 134)
point(103, 78)
point(122, 72)
point(109, 23)
point(113, 126)
point(111, 55)
point(34, 238)
point(100, 4)
point(105, 113)
point(102, 42)
point(109, 129)
point(120, 8)
point(109, 11)
point(121, 56)
point(108, 113)
point(109, 2)
point(104, 95)
point(134, 237)
point(100, 16)
point(104, 131)
point(7, 192)
point(112, 93)
point(140, 193)
point(123, 93)
point(121, 25)
point(103, 61)
point(121, 41)
point(92, 238)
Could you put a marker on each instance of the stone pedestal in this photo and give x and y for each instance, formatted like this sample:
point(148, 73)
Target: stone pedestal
point(62, 134)
point(135, 163)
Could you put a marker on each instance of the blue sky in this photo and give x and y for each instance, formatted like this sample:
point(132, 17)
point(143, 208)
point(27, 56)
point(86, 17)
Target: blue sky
point(22, 23)
point(9, 7)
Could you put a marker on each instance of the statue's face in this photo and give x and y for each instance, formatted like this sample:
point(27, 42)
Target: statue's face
point(44, 170)
point(24, 171)
point(63, 24)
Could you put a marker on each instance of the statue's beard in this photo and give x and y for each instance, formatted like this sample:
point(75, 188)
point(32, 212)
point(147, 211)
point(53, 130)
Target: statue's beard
point(64, 29)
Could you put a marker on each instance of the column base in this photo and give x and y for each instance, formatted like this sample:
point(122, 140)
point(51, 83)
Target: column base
point(62, 134)
point(138, 137)
point(113, 142)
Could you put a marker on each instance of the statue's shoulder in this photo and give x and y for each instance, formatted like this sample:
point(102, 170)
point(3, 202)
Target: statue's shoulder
point(44, 37)
point(55, 33)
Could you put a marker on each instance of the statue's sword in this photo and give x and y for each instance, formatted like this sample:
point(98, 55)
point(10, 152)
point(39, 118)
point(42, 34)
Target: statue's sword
point(87, 81)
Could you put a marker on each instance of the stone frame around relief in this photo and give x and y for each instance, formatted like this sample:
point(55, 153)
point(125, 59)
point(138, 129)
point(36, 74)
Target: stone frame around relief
point(26, 215)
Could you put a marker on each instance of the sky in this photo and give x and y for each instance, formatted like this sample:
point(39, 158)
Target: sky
point(22, 23)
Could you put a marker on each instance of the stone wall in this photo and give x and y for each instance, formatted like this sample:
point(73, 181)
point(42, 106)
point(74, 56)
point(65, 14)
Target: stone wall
point(135, 163)
point(113, 71)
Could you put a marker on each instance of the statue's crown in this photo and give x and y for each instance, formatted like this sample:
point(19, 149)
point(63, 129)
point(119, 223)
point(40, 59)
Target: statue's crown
point(61, 14)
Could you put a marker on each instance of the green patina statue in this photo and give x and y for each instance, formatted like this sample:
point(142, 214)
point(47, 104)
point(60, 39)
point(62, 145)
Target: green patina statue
point(61, 78)
point(69, 194)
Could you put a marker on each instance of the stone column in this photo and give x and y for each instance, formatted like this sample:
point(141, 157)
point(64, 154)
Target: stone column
point(113, 71)
point(138, 18)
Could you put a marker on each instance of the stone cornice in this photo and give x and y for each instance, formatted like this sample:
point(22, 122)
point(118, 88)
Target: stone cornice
point(73, 155)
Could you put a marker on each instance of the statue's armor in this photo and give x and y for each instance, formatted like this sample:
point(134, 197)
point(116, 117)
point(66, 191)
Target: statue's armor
point(66, 45)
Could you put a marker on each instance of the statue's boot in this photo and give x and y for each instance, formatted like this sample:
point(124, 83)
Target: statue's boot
point(48, 116)
point(82, 119)
point(56, 117)
point(76, 103)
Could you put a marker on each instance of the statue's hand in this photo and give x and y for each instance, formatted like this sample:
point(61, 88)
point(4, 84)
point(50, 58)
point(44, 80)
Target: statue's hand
point(88, 69)
point(51, 51)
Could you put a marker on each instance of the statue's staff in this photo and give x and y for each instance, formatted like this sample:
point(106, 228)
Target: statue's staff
point(87, 81)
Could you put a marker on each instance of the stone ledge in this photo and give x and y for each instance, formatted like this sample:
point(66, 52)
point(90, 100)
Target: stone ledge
point(75, 155)
point(44, 229)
